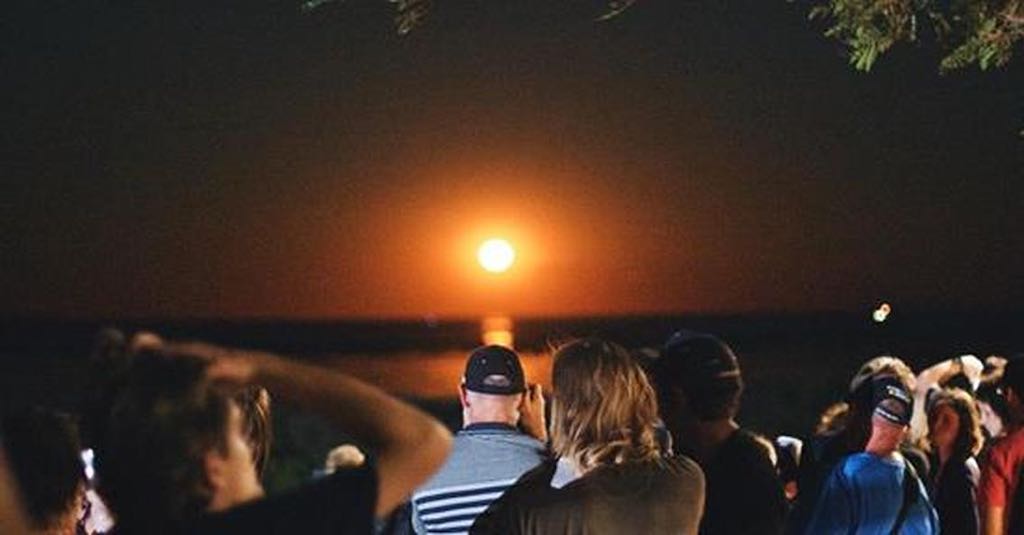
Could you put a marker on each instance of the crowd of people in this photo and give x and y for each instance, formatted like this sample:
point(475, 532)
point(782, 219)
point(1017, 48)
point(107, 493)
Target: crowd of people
point(637, 443)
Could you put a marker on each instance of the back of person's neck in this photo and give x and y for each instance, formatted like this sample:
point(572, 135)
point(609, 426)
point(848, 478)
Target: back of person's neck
point(702, 438)
point(881, 446)
point(885, 438)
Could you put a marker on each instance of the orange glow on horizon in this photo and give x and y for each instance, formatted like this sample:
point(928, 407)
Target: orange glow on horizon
point(497, 330)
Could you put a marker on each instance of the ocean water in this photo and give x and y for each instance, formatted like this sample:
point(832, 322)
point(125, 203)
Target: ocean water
point(794, 364)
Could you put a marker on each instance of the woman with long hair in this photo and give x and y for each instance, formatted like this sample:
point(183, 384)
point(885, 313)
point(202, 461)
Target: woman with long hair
point(609, 474)
point(954, 434)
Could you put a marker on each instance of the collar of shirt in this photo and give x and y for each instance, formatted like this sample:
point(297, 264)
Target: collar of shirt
point(489, 427)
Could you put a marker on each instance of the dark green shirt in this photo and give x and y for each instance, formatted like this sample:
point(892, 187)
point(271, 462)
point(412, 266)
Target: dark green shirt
point(663, 496)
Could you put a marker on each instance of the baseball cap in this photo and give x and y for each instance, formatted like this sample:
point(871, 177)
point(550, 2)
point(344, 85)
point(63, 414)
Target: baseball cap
point(891, 399)
point(700, 357)
point(861, 391)
point(494, 369)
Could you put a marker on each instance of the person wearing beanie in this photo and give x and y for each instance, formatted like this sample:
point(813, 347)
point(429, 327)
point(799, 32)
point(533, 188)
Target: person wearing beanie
point(877, 491)
point(699, 383)
point(489, 453)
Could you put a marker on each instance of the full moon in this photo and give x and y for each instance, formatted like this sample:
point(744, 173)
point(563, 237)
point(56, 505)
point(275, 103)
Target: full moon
point(496, 255)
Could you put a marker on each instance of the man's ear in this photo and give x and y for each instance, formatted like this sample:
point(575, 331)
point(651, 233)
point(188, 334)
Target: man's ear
point(463, 399)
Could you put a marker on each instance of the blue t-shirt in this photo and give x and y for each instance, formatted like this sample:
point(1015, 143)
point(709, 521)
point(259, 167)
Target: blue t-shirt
point(863, 496)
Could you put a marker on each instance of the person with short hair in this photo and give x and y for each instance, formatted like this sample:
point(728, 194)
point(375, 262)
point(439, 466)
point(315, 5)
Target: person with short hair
point(610, 476)
point(174, 457)
point(1002, 466)
point(954, 433)
point(699, 385)
point(877, 492)
point(489, 453)
point(43, 449)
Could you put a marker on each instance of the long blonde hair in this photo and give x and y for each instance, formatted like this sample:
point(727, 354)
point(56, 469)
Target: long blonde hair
point(604, 409)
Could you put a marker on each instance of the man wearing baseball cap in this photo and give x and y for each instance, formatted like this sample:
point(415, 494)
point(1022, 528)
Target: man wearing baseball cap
point(490, 453)
point(877, 491)
point(845, 436)
point(699, 384)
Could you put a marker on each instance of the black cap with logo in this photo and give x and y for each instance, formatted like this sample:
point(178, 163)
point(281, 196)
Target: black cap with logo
point(892, 400)
point(494, 370)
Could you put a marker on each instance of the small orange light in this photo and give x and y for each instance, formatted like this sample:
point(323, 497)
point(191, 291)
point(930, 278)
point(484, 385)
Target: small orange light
point(881, 313)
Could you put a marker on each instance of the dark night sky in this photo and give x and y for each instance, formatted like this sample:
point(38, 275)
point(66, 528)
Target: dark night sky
point(244, 159)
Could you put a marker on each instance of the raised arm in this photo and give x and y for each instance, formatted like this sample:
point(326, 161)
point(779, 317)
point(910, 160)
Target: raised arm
point(409, 444)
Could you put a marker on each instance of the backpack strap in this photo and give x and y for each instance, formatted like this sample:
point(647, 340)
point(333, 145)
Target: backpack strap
point(910, 493)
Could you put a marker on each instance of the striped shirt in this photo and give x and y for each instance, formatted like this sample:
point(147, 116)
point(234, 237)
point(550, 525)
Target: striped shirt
point(485, 460)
